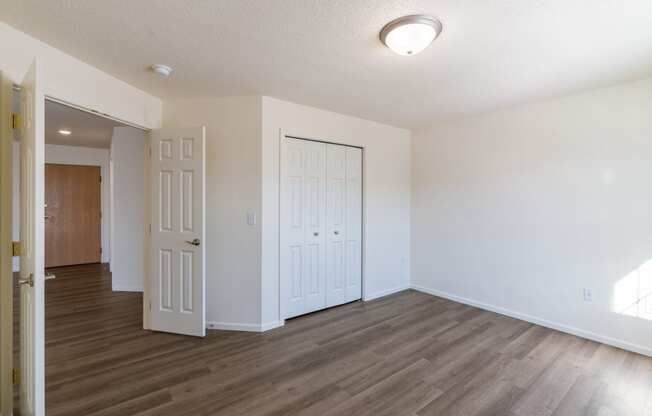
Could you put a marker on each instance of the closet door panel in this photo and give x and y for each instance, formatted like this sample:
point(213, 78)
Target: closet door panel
point(353, 224)
point(315, 220)
point(293, 228)
point(336, 225)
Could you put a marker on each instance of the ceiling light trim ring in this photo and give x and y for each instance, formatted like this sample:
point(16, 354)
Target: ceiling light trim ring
point(411, 19)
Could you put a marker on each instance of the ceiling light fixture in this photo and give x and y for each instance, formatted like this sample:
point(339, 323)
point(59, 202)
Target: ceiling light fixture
point(65, 132)
point(409, 35)
point(162, 70)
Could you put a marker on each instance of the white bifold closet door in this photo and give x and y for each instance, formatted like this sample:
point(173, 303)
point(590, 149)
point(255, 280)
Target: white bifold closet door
point(321, 225)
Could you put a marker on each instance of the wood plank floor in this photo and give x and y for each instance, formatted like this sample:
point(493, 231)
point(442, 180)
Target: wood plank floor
point(406, 354)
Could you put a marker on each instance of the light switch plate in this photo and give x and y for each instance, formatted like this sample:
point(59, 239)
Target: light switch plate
point(251, 218)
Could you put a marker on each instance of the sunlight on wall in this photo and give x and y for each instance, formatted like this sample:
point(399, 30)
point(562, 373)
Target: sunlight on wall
point(633, 293)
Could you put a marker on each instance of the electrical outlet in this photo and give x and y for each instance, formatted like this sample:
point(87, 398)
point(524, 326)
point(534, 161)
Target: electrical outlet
point(588, 295)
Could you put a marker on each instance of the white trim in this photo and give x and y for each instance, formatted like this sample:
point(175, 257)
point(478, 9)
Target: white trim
point(271, 325)
point(384, 293)
point(614, 342)
point(126, 288)
point(228, 326)
point(95, 112)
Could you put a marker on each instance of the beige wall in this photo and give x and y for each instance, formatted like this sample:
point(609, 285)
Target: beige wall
point(520, 210)
point(233, 188)
point(71, 80)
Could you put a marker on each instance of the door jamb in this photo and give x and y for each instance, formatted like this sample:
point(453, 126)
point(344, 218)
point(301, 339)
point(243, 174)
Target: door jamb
point(6, 251)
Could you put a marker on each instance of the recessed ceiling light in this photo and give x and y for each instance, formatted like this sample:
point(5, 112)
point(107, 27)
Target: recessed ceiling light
point(409, 35)
point(162, 70)
point(65, 132)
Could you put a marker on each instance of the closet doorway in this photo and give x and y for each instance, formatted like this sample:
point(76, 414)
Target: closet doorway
point(321, 225)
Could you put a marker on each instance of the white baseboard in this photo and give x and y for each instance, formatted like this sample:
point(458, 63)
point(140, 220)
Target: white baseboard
point(271, 325)
point(126, 288)
point(228, 326)
point(385, 293)
point(539, 321)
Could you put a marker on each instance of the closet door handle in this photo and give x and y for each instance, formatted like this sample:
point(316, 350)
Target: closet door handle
point(336, 232)
point(316, 234)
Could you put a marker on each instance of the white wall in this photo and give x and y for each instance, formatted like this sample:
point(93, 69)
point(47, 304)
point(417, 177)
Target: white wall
point(72, 80)
point(233, 188)
point(128, 208)
point(75, 155)
point(386, 251)
point(521, 209)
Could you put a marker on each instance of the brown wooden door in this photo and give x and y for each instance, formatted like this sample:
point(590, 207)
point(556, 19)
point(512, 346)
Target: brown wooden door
point(72, 215)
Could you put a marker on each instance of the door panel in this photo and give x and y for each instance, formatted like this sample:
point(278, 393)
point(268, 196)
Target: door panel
point(72, 215)
point(336, 225)
point(314, 280)
point(32, 235)
point(303, 268)
point(177, 231)
point(292, 221)
point(353, 224)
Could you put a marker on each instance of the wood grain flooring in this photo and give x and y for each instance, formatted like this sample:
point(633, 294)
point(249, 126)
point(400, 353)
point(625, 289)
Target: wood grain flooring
point(405, 354)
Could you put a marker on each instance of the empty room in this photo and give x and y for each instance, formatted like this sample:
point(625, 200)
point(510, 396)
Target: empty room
point(307, 207)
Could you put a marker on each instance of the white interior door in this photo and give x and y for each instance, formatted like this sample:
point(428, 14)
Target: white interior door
point(177, 231)
point(336, 226)
point(353, 224)
point(32, 236)
point(303, 214)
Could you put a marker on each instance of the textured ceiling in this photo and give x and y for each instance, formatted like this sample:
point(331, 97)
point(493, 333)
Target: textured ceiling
point(326, 53)
point(88, 130)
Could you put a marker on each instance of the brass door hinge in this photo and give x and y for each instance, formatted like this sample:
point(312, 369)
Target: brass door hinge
point(15, 376)
point(16, 248)
point(15, 121)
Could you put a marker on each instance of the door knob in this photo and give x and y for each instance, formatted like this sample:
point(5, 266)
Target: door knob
point(29, 281)
point(316, 234)
point(50, 276)
point(336, 232)
point(194, 242)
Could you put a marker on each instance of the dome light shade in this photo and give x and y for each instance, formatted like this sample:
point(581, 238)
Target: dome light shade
point(409, 35)
point(162, 70)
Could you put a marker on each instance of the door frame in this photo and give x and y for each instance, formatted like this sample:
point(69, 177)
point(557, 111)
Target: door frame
point(146, 207)
point(281, 287)
point(6, 257)
point(6, 177)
